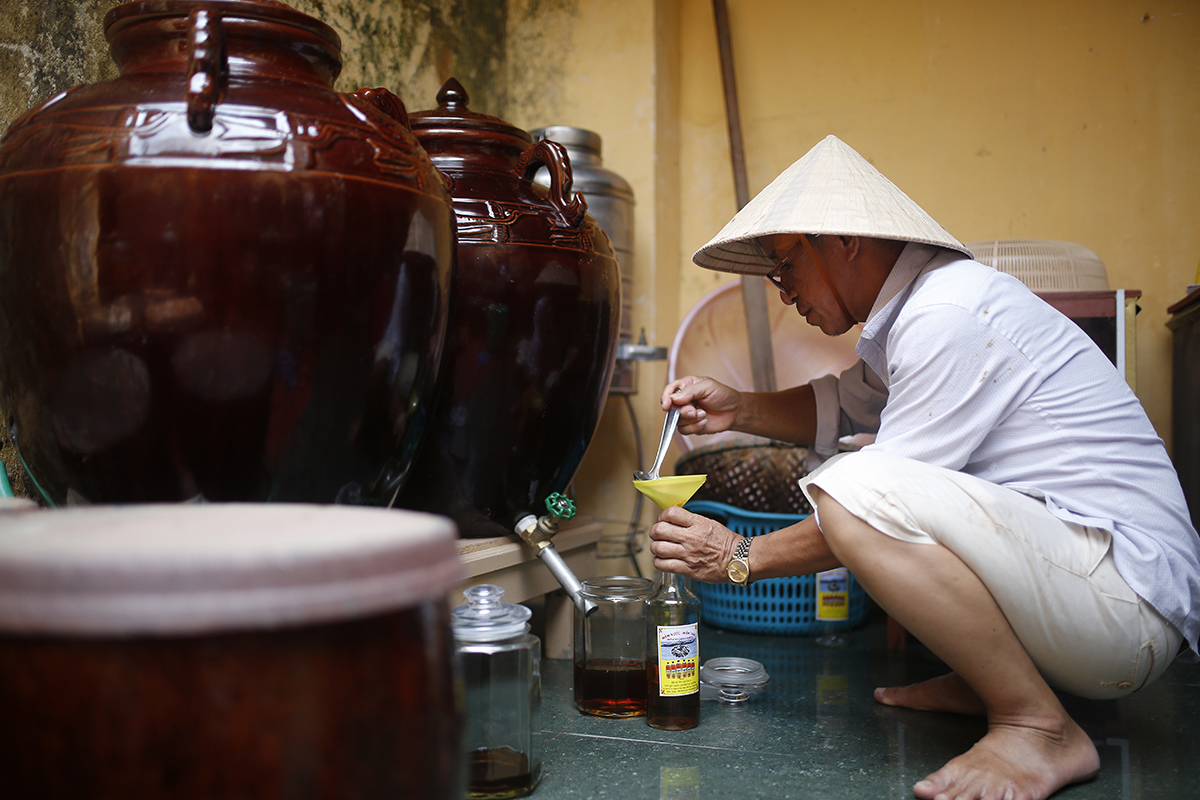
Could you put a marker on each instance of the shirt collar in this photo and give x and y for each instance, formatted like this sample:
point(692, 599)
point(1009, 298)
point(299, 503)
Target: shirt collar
point(913, 258)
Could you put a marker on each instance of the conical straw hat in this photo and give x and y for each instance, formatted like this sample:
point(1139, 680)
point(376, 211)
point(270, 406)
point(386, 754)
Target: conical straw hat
point(831, 190)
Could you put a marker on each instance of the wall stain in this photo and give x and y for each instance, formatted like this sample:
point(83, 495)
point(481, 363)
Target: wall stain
point(541, 36)
point(47, 46)
point(412, 46)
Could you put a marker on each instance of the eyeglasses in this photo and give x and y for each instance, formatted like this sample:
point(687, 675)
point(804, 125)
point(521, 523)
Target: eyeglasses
point(784, 263)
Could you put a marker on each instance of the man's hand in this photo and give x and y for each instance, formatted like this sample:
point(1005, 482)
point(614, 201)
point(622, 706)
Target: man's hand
point(692, 545)
point(705, 405)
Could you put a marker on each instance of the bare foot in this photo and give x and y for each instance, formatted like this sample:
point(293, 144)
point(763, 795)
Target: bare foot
point(1015, 762)
point(947, 693)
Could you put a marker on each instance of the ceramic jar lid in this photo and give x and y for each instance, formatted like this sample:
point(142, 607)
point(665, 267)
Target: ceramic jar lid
point(186, 569)
point(453, 122)
point(246, 37)
point(234, 9)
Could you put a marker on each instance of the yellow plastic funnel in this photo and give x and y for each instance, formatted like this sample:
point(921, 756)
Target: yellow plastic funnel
point(673, 490)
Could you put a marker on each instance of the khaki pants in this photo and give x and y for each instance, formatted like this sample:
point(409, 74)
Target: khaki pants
point(1088, 633)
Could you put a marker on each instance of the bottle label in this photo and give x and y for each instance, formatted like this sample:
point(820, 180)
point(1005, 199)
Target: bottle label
point(833, 594)
point(678, 660)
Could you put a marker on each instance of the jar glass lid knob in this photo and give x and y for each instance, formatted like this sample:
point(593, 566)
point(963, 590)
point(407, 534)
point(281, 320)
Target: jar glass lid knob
point(486, 617)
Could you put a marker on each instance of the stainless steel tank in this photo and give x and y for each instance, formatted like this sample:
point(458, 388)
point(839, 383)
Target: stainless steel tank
point(610, 202)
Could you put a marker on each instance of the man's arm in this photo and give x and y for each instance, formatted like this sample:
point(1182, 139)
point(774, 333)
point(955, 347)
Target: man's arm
point(707, 406)
point(789, 415)
point(701, 548)
point(798, 549)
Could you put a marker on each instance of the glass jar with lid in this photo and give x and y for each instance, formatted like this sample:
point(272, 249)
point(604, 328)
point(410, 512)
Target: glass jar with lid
point(501, 662)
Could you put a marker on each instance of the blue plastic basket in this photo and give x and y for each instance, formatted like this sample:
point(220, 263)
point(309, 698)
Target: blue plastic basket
point(772, 605)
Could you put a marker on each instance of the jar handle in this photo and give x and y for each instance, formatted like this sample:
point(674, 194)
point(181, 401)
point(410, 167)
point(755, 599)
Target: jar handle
point(553, 156)
point(207, 68)
point(384, 101)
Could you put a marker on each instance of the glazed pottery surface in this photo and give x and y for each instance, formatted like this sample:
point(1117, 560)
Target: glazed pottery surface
point(219, 278)
point(534, 320)
point(196, 651)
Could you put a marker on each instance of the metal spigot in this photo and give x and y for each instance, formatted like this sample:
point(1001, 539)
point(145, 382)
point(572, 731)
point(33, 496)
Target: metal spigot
point(628, 351)
point(537, 533)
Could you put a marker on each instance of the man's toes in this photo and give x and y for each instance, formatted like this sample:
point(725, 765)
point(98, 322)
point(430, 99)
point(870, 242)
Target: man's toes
point(926, 789)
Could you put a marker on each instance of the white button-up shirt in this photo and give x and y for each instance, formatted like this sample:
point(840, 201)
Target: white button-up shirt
point(967, 369)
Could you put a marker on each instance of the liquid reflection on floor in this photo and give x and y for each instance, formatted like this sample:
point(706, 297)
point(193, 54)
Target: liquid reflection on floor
point(817, 732)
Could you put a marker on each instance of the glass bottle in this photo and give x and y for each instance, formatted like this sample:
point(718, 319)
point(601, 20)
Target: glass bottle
point(501, 664)
point(672, 655)
point(833, 606)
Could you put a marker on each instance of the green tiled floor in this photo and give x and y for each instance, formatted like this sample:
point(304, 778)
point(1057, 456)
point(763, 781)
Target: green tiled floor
point(817, 733)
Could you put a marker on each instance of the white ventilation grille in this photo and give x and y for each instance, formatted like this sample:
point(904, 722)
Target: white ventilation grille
point(1044, 264)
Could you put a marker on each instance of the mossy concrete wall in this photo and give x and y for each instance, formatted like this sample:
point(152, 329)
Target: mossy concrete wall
point(47, 46)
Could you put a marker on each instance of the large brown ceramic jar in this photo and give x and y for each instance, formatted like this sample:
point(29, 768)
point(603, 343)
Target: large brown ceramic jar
point(534, 320)
point(219, 278)
point(218, 651)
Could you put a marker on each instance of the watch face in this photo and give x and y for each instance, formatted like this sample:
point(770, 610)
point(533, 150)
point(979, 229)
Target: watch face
point(739, 571)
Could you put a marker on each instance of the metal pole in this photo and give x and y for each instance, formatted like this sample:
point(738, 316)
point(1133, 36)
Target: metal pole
point(754, 298)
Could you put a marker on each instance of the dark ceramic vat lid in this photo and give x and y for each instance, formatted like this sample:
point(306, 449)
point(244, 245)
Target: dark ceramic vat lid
point(452, 120)
point(266, 10)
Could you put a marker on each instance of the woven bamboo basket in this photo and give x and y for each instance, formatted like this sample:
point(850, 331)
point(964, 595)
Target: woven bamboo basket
point(757, 477)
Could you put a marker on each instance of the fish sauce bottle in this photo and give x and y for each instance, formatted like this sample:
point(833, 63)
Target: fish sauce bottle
point(672, 655)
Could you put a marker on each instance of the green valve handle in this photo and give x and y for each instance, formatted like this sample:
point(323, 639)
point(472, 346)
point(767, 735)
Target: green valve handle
point(560, 506)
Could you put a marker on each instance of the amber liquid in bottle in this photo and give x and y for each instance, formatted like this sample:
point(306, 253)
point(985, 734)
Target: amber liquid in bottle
point(676, 713)
point(672, 656)
point(610, 687)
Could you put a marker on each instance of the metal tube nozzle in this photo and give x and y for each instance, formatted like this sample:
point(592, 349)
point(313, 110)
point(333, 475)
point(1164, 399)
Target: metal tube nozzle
point(537, 533)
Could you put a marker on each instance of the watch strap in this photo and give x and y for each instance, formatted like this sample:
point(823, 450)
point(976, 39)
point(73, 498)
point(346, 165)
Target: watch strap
point(743, 548)
point(739, 566)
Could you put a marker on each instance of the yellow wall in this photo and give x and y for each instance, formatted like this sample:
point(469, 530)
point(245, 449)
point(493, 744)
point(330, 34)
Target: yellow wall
point(621, 80)
point(1067, 120)
point(1076, 120)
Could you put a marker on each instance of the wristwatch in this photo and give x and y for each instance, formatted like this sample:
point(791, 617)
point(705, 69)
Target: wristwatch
point(739, 566)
